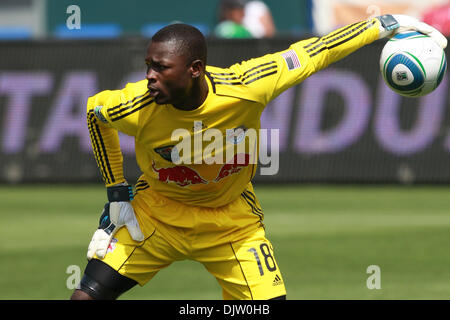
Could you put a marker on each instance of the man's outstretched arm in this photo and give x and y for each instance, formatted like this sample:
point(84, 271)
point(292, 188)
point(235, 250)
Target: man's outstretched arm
point(306, 57)
point(342, 42)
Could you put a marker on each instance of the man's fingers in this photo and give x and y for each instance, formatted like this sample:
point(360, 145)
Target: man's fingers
point(99, 244)
point(410, 23)
point(119, 214)
point(439, 38)
point(424, 28)
point(91, 249)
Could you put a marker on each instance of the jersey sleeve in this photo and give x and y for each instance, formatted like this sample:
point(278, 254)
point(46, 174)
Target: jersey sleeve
point(268, 76)
point(109, 112)
point(104, 140)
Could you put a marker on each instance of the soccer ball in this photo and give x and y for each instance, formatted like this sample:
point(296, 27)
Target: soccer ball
point(412, 64)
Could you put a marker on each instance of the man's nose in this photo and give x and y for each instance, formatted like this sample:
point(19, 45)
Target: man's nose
point(151, 75)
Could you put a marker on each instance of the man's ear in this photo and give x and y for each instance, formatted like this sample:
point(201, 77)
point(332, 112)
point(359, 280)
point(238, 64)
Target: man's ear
point(197, 68)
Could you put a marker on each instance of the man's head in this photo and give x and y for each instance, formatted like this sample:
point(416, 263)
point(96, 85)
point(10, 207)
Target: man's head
point(176, 60)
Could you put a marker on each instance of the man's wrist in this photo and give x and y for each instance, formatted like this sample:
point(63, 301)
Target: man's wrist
point(120, 192)
point(387, 25)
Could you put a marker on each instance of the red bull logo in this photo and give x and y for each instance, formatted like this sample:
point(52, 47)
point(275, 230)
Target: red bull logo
point(185, 176)
point(239, 161)
point(181, 175)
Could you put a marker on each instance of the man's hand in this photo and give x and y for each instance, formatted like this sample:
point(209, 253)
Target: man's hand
point(393, 24)
point(114, 216)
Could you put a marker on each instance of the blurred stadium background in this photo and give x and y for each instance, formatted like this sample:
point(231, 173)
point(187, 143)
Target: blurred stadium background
point(364, 175)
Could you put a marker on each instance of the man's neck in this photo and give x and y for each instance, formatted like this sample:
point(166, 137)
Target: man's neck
point(199, 92)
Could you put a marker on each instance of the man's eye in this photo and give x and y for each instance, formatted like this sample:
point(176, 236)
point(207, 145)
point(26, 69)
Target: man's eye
point(161, 67)
point(156, 66)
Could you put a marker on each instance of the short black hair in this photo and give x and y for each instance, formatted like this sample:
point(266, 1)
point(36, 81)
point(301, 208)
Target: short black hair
point(190, 41)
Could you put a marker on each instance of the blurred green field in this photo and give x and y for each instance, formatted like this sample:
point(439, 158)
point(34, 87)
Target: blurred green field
point(325, 237)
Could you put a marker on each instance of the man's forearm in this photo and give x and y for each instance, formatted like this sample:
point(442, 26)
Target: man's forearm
point(340, 43)
point(106, 147)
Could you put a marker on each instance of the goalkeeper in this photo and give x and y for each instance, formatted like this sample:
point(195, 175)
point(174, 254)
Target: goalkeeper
point(200, 211)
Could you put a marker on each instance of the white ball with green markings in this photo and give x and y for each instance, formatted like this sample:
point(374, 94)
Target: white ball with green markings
point(412, 64)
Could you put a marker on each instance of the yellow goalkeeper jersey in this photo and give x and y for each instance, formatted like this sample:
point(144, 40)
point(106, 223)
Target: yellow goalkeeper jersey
point(236, 98)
